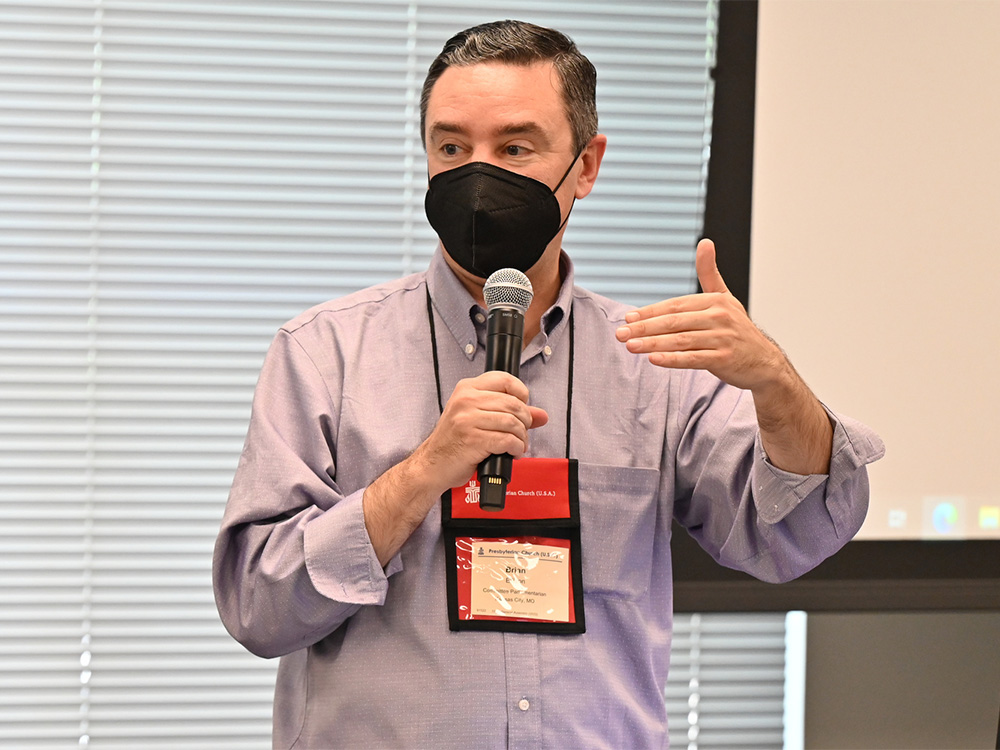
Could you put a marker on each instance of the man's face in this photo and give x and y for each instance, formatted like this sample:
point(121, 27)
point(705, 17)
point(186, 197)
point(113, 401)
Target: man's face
point(511, 116)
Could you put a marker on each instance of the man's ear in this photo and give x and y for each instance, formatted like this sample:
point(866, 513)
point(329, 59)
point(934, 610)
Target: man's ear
point(591, 159)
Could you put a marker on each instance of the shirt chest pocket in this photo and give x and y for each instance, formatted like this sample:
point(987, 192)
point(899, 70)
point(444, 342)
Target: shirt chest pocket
point(617, 524)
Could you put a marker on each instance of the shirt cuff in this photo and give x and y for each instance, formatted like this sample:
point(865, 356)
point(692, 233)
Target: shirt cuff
point(777, 493)
point(340, 559)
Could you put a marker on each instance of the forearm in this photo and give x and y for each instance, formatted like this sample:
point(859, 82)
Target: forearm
point(795, 430)
point(397, 502)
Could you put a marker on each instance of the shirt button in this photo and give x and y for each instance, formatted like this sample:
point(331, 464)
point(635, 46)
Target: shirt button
point(470, 348)
point(523, 704)
point(548, 351)
point(480, 318)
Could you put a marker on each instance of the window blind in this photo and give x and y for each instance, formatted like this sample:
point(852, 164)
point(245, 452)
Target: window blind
point(177, 179)
point(726, 687)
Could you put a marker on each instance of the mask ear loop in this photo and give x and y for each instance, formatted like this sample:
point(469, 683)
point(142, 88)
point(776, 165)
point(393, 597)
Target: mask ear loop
point(568, 169)
point(556, 188)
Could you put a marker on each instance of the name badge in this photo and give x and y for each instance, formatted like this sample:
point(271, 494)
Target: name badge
point(518, 569)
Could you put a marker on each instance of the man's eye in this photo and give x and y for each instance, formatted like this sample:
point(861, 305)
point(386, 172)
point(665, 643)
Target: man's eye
point(515, 150)
point(450, 149)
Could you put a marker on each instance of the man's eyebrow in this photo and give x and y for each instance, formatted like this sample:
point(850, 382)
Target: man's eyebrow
point(524, 128)
point(438, 128)
point(520, 127)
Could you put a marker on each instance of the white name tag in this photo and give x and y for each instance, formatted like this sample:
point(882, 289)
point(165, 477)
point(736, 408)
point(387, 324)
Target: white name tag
point(513, 579)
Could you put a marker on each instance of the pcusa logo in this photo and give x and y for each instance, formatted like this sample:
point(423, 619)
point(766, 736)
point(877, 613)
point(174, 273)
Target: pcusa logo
point(472, 493)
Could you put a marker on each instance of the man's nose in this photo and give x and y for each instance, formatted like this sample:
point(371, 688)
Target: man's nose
point(485, 154)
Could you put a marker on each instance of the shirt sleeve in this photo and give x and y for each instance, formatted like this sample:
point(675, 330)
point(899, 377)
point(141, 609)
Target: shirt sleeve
point(293, 559)
point(747, 513)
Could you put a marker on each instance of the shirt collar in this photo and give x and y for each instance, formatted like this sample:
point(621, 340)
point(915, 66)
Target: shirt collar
point(464, 318)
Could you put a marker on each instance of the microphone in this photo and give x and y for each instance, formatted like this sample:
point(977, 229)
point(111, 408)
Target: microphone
point(508, 294)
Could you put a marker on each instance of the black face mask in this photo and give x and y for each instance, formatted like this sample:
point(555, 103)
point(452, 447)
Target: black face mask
point(489, 218)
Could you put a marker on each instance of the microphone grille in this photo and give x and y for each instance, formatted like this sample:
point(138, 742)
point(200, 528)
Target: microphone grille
point(508, 287)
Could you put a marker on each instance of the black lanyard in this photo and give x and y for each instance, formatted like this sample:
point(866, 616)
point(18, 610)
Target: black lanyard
point(569, 385)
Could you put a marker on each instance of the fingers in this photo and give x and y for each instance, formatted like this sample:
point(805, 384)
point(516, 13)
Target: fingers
point(494, 433)
point(485, 415)
point(502, 393)
point(487, 407)
point(711, 282)
point(498, 381)
point(683, 341)
point(709, 310)
point(488, 414)
point(709, 331)
point(665, 323)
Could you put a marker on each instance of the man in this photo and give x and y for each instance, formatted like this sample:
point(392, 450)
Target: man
point(331, 552)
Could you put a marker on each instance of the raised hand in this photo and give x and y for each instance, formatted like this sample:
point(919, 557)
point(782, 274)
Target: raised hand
point(712, 331)
point(707, 331)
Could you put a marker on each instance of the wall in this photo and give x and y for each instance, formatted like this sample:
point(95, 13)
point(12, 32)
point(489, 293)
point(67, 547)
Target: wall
point(876, 257)
point(875, 245)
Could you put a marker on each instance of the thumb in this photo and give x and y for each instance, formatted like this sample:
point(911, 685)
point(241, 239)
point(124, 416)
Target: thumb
point(539, 417)
point(708, 271)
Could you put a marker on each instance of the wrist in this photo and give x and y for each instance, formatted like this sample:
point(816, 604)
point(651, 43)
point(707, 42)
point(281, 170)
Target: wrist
point(795, 429)
point(394, 505)
point(781, 395)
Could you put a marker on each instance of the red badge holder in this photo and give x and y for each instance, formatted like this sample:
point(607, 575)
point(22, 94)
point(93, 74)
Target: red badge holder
point(518, 569)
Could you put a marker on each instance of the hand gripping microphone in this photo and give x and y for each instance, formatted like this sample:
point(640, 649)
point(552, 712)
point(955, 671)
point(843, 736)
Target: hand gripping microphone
point(508, 294)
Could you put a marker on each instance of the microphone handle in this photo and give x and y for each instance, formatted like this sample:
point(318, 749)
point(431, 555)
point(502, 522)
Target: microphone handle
point(503, 348)
point(505, 332)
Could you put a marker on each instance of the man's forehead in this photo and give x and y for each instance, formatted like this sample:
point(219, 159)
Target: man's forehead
point(541, 69)
point(538, 82)
point(527, 98)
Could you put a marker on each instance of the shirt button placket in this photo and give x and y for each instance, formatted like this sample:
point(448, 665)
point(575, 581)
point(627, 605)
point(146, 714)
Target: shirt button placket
point(524, 726)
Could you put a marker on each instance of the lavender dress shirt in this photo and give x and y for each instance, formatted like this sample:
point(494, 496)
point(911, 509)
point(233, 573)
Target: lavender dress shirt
point(367, 660)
